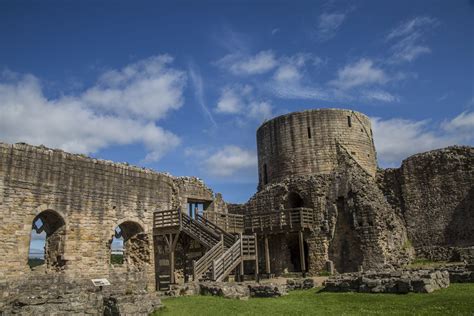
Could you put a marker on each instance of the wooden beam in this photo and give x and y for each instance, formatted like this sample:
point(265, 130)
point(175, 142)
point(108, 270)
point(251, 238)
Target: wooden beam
point(172, 241)
point(302, 258)
point(241, 274)
point(267, 255)
point(256, 257)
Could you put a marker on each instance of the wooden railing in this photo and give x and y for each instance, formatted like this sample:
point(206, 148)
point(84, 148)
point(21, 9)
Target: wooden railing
point(198, 231)
point(288, 219)
point(225, 252)
point(229, 239)
point(249, 246)
point(222, 266)
point(231, 223)
point(167, 219)
point(175, 220)
point(204, 264)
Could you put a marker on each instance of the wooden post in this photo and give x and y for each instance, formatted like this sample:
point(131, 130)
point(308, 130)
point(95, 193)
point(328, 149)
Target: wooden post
point(172, 281)
point(256, 257)
point(267, 255)
point(241, 274)
point(172, 246)
point(302, 259)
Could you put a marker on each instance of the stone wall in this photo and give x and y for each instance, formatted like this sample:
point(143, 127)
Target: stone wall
point(400, 282)
point(355, 228)
point(81, 201)
point(303, 143)
point(435, 193)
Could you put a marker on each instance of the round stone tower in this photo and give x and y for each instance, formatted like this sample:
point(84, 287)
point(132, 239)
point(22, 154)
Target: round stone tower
point(304, 143)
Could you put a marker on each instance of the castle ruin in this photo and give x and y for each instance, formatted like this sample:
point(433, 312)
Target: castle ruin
point(322, 205)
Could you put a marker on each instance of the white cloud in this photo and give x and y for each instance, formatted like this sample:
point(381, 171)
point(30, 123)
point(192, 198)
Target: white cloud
point(198, 85)
point(241, 64)
point(363, 72)
point(379, 95)
point(408, 39)
point(239, 100)
point(89, 122)
point(410, 26)
point(260, 111)
point(231, 100)
point(287, 72)
point(328, 25)
point(396, 139)
point(230, 160)
point(147, 89)
point(463, 124)
point(288, 81)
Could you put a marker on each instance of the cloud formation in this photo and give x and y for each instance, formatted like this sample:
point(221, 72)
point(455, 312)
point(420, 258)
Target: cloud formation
point(396, 139)
point(198, 85)
point(408, 39)
point(328, 25)
point(240, 100)
point(241, 64)
point(120, 109)
point(230, 160)
point(362, 72)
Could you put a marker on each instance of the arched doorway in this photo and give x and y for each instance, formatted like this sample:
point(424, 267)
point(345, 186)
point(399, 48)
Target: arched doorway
point(47, 241)
point(294, 200)
point(129, 246)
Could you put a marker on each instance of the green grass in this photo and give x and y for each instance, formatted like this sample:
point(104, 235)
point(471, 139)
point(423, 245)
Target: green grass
point(458, 299)
point(34, 262)
point(427, 264)
point(116, 259)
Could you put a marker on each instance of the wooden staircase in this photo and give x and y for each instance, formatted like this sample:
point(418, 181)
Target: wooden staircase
point(225, 251)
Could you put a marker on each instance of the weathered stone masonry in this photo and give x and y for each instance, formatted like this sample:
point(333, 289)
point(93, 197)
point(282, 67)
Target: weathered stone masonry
point(318, 164)
point(89, 198)
point(434, 192)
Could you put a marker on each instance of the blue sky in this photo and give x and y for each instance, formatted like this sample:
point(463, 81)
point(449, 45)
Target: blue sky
point(181, 86)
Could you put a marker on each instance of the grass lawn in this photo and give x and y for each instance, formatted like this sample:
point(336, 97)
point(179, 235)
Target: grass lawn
point(458, 299)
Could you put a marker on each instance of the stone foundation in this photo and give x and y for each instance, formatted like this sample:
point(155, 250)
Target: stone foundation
point(400, 282)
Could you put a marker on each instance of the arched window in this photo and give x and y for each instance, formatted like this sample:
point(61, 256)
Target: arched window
point(129, 246)
point(47, 241)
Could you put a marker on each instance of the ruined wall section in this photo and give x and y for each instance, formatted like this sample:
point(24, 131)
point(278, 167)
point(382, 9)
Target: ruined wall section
point(355, 226)
point(303, 143)
point(379, 228)
point(93, 197)
point(435, 193)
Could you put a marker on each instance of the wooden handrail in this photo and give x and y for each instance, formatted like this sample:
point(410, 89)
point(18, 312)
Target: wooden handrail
point(292, 218)
point(204, 263)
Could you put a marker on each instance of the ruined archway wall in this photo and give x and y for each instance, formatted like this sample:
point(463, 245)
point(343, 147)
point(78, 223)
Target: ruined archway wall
point(434, 191)
point(91, 195)
point(379, 230)
point(285, 147)
point(313, 191)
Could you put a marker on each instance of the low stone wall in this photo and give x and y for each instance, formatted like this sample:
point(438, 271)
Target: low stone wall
point(137, 304)
point(267, 290)
point(228, 290)
point(299, 284)
point(444, 253)
point(241, 291)
point(59, 295)
point(402, 282)
point(461, 273)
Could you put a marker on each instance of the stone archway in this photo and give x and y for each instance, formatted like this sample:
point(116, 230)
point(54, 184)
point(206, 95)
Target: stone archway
point(134, 246)
point(294, 200)
point(51, 224)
